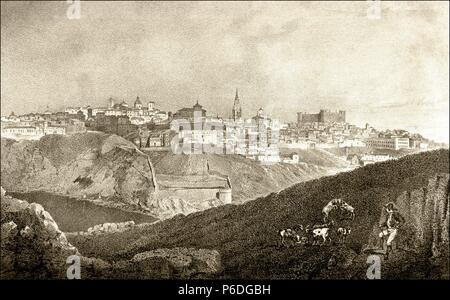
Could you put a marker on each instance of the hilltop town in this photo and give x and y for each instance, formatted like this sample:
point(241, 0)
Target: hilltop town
point(149, 128)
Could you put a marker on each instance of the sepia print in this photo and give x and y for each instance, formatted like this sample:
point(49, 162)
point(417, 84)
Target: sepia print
point(224, 140)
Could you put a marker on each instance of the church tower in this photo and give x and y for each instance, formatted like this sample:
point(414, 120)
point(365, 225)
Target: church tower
point(138, 103)
point(236, 112)
point(111, 102)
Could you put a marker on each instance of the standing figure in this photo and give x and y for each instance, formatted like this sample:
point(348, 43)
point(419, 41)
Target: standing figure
point(392, 220)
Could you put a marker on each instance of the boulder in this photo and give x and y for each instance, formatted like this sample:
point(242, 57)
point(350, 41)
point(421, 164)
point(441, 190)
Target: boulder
point(9, 230)
point(186, 263)
point(27, 232)
point(108, 228)
point(33, 247)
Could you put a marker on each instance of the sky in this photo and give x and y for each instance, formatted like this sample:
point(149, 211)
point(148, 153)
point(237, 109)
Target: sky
point(391, 72)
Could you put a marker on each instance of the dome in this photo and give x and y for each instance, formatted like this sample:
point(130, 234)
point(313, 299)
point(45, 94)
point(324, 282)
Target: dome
point(138, 101)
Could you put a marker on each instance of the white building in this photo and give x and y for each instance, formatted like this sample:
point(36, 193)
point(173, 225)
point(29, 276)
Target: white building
point(352, 143)
point(73, 110)
point(26, 132)
point(268, 158)
point(54, 130)
point(423, 146)
point(395, 143)
point(294, 159)
point(138, 114)
point(22, 132)
point(367, 159)
point(201, 136)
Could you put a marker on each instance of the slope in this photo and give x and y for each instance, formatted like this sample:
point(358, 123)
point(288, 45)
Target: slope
point(246, 235)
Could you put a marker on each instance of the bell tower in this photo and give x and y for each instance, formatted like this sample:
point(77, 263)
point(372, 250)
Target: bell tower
point(237, 111)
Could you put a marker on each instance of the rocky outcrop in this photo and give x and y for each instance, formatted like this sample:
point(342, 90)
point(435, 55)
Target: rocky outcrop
point(427, 212)
point(113, 172)
point(185, 262)
point(174, 263)
point(167, 206)
point(89, 165)
point(32, 246)
point(105, 228)
point(426, 229)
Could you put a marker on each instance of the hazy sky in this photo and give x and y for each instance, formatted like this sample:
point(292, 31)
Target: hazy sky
point(286, 57)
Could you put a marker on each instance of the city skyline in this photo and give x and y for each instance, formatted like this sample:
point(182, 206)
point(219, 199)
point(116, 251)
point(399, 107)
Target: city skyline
point(303, 61)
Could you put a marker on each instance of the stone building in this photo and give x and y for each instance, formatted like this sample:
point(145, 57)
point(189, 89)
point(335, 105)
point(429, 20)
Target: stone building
point(187, 113)
point(394, 143)
point(22, 132)
point(324, 116)
point(196, 188)
point(119, 125)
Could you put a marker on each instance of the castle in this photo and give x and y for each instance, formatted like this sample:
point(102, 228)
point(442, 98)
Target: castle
point(324, 116)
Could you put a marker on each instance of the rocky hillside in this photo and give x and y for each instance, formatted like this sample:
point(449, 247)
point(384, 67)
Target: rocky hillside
point(33, 247)
point(249, 179)
point(426, 233)
point(247, 240)
point(88, 165)
point(111, 171)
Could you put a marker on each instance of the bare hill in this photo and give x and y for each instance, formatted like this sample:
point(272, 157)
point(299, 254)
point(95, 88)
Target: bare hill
point(246, 235)
point(110, 170)
point(249, 178)
point(88, 165)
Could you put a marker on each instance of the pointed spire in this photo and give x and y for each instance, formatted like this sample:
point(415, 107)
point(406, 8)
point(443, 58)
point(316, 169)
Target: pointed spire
point(236, 111)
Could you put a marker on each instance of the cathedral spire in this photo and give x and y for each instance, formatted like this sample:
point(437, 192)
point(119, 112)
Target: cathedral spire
point(236, 112)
